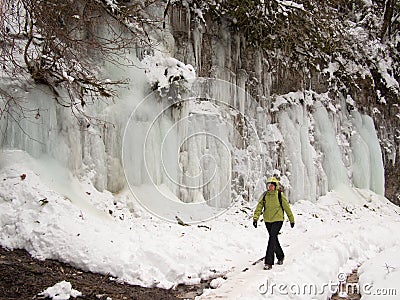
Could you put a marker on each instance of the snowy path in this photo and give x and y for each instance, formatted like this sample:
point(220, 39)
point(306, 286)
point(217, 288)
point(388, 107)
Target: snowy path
point(315, 254)
point(240, 285)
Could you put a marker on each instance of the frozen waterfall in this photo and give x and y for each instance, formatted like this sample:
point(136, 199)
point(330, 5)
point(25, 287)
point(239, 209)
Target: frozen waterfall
point(211, 147)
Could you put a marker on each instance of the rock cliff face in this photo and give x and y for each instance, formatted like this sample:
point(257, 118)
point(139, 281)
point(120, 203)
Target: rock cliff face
point(217, 50)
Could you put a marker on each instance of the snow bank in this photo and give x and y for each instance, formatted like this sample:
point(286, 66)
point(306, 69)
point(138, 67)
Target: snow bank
point(112, 238)
point(61, 291)
point(380, 276)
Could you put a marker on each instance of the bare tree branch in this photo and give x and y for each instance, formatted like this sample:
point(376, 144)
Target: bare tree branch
point(61, 44)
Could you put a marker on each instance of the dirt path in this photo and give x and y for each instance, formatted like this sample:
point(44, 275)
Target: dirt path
point(348, 287)
point(22, 277)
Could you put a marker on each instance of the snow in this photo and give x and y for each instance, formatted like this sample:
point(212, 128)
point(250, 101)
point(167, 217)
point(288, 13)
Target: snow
point(64, 194)
point(61, 291)
point(64, 209)
point(55, 218)
point(330, 239)
point(367, 3)
point(162, 69)
point(273, 134)
point(186, 160)
point(112, 4)
point(217, 282)
point(380, 276)
point(331, 69)
point(200, 15)
point(290, 4)
point(385, 68)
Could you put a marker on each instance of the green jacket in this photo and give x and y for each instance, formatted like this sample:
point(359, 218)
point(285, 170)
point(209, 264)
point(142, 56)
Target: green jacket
point(272, 208)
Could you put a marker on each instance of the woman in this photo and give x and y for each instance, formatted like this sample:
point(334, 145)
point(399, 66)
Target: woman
point(273, 203)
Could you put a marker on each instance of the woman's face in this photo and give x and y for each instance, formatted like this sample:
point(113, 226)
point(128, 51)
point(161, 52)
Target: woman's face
point(270, 186)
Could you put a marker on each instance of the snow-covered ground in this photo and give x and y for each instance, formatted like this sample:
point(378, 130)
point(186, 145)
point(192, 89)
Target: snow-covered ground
point(53, 215)
point(61, 291)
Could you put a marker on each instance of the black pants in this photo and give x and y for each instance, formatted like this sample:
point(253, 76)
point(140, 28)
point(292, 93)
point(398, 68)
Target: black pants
point(273, 243)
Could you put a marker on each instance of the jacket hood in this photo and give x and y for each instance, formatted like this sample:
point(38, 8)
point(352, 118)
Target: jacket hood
point(274, 180)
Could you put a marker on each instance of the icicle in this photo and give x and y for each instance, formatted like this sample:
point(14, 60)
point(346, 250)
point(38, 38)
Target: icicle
point(198, 44)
